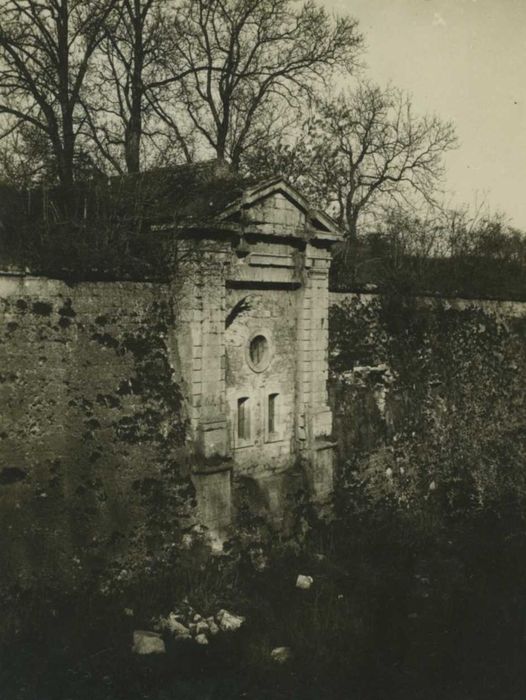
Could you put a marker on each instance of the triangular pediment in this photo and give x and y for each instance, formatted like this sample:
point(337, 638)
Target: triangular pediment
point(274, 207)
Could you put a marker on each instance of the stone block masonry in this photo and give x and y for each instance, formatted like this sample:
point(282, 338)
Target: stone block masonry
point(252, 302)
point(199, 293)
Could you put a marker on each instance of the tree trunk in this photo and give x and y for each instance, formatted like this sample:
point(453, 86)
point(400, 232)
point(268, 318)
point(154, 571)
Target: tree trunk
point(352, 224)
point(132, 142)
point(133, 130)
point(66, 155)
point(352, 244)
point(68, 149)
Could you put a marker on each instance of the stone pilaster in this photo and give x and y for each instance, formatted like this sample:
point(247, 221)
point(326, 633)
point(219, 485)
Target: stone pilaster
point(314, 417)
point(200, 341)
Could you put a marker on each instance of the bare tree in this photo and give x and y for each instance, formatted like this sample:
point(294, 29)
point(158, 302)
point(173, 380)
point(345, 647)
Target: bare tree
point(239, 60)
point(365, 150)
point(127, 83)
point(45, 51)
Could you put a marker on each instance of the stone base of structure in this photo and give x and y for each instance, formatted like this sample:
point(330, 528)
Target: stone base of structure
point(213, 487)
point(212, 438)
point(319, 469)
point(271, 495)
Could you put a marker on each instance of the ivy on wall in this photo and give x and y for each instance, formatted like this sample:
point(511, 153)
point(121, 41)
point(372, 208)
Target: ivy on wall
point(94, 488)
point(430, 405)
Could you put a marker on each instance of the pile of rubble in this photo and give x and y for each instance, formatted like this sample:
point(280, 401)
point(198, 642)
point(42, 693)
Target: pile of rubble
point(195, 626)
point(185, 625)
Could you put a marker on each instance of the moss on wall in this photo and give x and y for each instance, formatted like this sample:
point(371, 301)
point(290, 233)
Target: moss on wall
point(91, 476)
point(94, 485)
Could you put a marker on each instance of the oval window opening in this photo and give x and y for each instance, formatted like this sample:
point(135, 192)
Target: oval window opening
point(259, 352)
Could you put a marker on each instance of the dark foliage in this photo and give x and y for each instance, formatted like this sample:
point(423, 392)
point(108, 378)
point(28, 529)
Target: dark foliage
point(430, 408)
point(395, 611)
point(106, 229)
point(495, 270)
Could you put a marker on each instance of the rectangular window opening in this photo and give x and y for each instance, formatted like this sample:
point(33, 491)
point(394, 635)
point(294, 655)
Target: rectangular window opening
point(243, 418)
point(272, 412)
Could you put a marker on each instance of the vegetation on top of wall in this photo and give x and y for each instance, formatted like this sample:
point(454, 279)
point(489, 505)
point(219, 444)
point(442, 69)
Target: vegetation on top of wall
point(414, 256)
point(90, 232)
point(106, 229)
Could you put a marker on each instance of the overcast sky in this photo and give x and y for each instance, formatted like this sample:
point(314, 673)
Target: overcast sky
point(466, 61)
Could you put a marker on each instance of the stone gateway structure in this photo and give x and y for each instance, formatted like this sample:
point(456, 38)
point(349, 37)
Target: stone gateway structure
point(252, 302)
point(133, 410)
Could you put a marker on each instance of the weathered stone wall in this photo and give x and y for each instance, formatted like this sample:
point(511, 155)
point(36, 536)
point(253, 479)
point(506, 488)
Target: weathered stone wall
point(99, 386)
point(429, 400)
point(272, 312)
point(91, 475)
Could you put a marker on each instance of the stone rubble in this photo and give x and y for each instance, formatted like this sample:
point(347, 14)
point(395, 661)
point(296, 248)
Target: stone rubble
point(190, 625)
point(201, 628)
point(304, 582)
point(281, 654)
point(174, 626)
point(145, 642)
point(228, 622)
point(212, 626)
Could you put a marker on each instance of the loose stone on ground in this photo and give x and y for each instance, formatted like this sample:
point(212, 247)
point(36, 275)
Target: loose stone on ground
point(145, 642)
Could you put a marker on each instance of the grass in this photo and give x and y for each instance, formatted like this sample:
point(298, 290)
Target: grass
point(392, 614)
